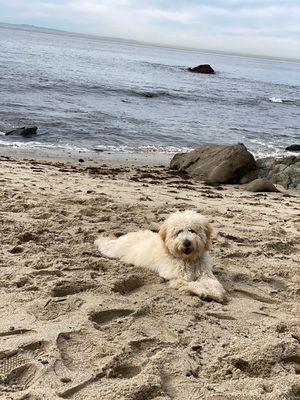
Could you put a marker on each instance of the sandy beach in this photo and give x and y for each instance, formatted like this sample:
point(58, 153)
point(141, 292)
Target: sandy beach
point(77, 325)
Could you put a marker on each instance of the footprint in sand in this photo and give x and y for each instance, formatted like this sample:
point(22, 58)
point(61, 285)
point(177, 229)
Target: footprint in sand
point(64, 287)
point(254, 294)
point(52, 308)
point(20, 368)
point(106, 316)
point(125, 371)
point(294, 393)
point(82, 351)
point(128, 285)
point(16, 371)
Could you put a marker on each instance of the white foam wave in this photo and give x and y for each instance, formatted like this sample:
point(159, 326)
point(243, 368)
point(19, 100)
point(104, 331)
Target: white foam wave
point(100, 148)
point(276, 100)
point(143, 149)
point(38, 145)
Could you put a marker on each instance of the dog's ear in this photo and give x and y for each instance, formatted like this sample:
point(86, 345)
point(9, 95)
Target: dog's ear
point(208, 232)
point(163, 232)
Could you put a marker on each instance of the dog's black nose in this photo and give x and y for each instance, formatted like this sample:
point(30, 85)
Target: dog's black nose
point(187, 243)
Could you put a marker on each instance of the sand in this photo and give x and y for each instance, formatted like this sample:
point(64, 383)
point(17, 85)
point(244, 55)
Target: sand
point(76, 325)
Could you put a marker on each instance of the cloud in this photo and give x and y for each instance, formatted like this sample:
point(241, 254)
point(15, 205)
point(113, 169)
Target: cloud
point(268, 27)
point(87, 7)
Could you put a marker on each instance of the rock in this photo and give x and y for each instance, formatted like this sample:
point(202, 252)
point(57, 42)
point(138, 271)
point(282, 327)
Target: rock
point(293, 147)
point(31, 130)
point(215, 163)
point(202, 69)
point(16, 250)
point(249, 177)
point(284, 171)
point(261, 185)
point(65, 380)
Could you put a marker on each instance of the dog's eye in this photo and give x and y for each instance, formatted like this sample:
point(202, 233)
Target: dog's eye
point(192, 231)
point(179, 232)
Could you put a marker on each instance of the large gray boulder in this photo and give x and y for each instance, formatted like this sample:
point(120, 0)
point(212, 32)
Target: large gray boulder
point(215, 163)
point(284, 171)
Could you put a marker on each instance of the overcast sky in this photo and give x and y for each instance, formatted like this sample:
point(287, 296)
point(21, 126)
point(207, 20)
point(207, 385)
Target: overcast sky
point(265, 27)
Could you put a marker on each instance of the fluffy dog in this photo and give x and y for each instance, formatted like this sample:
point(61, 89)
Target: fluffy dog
point(178, 253)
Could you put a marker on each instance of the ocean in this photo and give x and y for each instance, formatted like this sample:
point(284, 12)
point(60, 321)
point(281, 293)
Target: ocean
point(89, 95)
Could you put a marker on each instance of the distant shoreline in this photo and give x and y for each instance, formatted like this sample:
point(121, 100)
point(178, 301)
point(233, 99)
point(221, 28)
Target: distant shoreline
point(53, 31)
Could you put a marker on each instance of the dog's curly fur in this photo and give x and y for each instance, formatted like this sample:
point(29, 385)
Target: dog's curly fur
point(178, 253)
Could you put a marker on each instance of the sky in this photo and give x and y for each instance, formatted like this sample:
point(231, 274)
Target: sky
point(263, 27)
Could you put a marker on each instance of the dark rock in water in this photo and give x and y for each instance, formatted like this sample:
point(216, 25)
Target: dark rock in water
point(202, 69)
point(215, 163)
point(284, 171)
point(261, 185)
point(293, 147)
point(81, 160)
point(31, 130)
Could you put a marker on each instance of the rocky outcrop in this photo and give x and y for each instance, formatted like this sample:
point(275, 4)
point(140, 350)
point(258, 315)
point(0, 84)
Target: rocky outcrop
point(261, 185)
point(284, 171)
point(202, 69)
point(215, 163)
point(293, 147)
point(24, 131)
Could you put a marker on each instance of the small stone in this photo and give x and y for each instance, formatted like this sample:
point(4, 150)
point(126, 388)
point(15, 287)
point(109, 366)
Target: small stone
point(197, 347)
point(81, 160)
point(43, 361)
point(16, 250)
point(281, 327)
point(65, 379)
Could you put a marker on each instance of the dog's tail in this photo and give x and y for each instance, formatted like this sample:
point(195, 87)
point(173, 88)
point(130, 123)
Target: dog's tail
point(107, 245)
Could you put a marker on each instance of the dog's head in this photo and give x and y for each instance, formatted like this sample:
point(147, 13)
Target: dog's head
point(186, 234)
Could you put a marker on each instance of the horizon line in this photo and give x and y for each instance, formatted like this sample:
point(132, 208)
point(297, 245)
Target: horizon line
point(42, 29)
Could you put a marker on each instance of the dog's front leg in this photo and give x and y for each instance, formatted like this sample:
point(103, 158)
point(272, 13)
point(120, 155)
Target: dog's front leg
point(207, 288)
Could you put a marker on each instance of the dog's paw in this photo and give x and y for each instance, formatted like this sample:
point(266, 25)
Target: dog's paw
point(218, 295)
point(208, 289)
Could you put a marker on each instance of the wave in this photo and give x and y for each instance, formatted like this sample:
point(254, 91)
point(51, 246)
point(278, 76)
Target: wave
point(142, 149)
point(99, 149)
point(108, 90)
point(160, 93)
point(276, 100)
point(264, 149)
point(46, 146)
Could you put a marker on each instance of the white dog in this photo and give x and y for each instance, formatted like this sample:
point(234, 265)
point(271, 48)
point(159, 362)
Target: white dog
point(178, 253)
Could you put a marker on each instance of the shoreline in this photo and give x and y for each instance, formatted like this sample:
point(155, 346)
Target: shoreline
point(91, 158)
point(138, 158)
